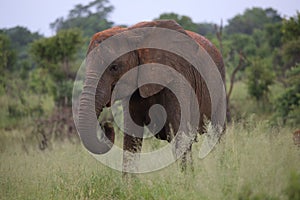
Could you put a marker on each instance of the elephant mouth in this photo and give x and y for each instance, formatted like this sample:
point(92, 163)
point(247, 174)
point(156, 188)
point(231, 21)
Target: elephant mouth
point(108, 104)
point(109, 101)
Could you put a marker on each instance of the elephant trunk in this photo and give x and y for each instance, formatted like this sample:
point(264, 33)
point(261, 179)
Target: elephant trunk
point(102, 99)
point(91, 104)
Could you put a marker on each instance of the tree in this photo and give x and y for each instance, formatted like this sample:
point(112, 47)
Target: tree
point(206, 29)
point(184, 21)
point(291, 28)
point(291, 40)
point(288, 104)
point(58, 49)
point(274, 35)
point(90, 18)
point(260, 77)
point(55, 55)
point(7, 60)
point(188, 24)
point(20, 38)
point(7, 54)
point(255, 18)
point(243, 43)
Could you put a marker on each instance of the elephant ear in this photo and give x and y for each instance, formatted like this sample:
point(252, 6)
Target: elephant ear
point(146, 56)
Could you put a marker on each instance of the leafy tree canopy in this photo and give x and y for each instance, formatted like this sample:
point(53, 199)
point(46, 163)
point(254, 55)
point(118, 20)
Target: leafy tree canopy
point(255, 18)
point(55, 56)
point(206, 29)
point(291, 40)
point(90, 18)
point(20, 36)
point(60, 48)
point(260, 77)
point(7, 54)
point(291, 28)
point(185, 21)
point(289, 102)
point(188, 24)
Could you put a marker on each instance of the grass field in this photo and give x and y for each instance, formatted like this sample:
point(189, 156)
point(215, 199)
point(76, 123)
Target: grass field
point(253, 161)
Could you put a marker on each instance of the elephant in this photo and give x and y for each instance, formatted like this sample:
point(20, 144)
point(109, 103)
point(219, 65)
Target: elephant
point(141, 100)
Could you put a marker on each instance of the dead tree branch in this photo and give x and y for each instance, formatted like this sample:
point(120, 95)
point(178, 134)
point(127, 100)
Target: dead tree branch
point(242, 59)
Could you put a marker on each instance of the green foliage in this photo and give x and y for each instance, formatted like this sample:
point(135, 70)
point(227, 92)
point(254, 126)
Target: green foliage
point(40, 81)
point(291, 28)
point(56, 53)
point(274, 35)
point(7, 54)
point(20, 103)
point(291, 52)
point(289, 102)
point(44, 51)
point(206, 29)
point(187, 23)
point(260, 77)
point(291, 40)
point(7, 60)
point(54, 56)
point(68, 42)
point(184, 21)
point(57, 49)
point(63, 93)
point(90, 18)
point(243, 43)
point(251, 19)
point(20, 38)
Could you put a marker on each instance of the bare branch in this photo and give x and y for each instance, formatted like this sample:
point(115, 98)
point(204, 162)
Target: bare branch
point(242, 59)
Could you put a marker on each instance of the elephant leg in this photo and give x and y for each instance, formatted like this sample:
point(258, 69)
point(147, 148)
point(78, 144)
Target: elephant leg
point(187, 160)
point(185, 136)
point(132, 144)
point(132, 147)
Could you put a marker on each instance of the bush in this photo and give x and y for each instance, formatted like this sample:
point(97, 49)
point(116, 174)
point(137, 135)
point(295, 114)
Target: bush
point(288, 103)
point(260, 77)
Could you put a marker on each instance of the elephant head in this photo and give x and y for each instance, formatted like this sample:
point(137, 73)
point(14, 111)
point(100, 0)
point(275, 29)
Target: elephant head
point(105, 84)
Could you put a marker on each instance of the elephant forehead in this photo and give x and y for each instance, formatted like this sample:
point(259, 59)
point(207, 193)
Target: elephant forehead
point(169, 24)
point(103, 35)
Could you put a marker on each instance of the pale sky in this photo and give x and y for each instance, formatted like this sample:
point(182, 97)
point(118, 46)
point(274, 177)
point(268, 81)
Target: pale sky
point(38, 14)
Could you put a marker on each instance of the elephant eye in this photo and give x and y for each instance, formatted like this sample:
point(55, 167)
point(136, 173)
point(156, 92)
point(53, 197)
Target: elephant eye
point(113, 68)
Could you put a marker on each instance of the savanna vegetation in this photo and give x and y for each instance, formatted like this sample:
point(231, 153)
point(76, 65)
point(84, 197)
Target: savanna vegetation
point(40, 153)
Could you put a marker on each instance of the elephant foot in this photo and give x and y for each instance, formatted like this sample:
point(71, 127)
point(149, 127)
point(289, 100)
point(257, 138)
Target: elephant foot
point(130, 162)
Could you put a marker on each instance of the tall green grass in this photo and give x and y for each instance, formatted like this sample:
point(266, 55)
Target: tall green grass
point(252, 161)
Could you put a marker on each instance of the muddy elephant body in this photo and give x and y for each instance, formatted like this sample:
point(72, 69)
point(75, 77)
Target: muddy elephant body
point(144, 97)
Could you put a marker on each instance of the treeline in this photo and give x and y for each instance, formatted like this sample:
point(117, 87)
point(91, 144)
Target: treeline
point(260, 49)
